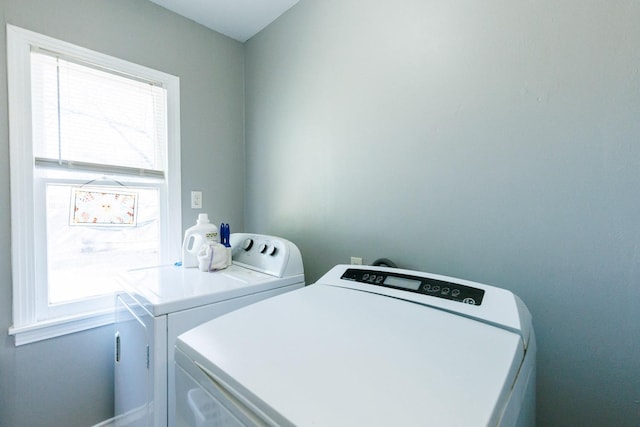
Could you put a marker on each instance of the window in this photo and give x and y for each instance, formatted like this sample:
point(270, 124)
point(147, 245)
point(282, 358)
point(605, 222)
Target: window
point(95, 180)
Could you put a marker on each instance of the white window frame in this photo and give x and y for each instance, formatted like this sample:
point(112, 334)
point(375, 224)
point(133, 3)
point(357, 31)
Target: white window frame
point(28, 324)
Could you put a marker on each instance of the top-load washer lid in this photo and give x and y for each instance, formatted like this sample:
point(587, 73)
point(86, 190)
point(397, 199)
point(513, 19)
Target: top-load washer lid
point(260, 263)
point(168, 289)
point(332, 355)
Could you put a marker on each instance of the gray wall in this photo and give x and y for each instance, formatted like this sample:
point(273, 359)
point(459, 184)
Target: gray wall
point(68, 381)
point(497, 141)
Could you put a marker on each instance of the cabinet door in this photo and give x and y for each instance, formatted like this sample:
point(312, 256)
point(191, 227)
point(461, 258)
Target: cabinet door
point(132, 374)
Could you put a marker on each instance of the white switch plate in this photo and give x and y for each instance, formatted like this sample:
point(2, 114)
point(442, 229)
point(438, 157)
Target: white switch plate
point(355, 260)
point(196, 200)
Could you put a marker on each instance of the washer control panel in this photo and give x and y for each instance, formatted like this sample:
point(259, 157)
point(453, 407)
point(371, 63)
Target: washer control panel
point(421, 285)
point(272, 255)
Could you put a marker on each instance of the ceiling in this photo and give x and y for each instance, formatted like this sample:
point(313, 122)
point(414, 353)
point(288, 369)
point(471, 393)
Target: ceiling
point(238, 19)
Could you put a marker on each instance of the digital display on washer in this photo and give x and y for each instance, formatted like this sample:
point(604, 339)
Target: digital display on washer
point(401, 282)
point(422, 285)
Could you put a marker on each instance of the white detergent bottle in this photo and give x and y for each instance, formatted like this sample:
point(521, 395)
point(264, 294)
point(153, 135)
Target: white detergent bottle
point(195, 237)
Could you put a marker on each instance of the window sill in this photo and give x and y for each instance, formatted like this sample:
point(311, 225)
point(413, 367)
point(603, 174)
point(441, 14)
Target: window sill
point(57, 327)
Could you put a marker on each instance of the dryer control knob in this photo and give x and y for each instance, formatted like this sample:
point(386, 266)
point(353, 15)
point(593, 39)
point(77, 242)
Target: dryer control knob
point(271, 250)
point(247, 244)
point(262, 248)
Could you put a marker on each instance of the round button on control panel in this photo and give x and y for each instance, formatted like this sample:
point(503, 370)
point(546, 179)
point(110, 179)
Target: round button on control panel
point(247, 244)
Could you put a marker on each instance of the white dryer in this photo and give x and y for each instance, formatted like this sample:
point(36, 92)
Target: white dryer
point(160, 303)
point(364, 346)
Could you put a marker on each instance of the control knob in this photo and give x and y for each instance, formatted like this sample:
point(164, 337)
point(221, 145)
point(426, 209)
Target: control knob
point(247, 244)
point(267, 249)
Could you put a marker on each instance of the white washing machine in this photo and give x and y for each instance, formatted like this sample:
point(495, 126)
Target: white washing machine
point(160, 303)
point(364, 346)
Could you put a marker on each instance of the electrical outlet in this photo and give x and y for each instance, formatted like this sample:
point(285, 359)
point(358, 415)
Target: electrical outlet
point(355, 260)
point(196, 200)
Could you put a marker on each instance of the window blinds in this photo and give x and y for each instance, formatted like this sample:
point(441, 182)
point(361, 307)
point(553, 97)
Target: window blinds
point(90, 118)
